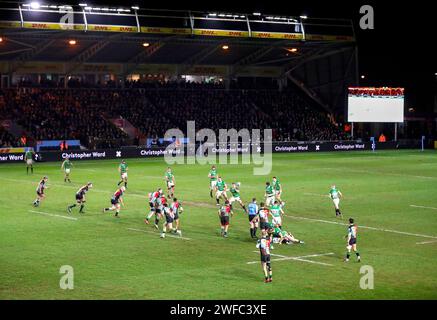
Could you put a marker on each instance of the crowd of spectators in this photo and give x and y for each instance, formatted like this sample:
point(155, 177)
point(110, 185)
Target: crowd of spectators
point(7, 140)
point(60, 114)
point(84, 114)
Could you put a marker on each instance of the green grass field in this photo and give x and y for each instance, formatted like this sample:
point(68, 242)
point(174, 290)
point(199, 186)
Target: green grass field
point(394, 193)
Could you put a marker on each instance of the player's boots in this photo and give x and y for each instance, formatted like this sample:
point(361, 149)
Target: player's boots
point(69, 210)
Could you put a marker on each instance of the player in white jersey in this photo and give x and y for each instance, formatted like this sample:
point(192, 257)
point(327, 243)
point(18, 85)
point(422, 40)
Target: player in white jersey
point(335, 196)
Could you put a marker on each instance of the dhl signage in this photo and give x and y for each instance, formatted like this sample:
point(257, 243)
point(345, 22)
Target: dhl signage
point(41, 67)
point(10, 24)
point(107, 28)
point(100, 68)
point(221, 33)
point(52, 26)
point(165, 30)
point(207, 70)
point(321, 37)
point(277, 35)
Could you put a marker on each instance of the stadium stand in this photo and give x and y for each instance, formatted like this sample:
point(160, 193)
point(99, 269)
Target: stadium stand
point(154, 107)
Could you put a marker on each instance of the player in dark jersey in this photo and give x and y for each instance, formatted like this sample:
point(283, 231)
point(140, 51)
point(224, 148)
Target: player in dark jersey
point(154, 203)
point(264, 248)
point(224, 213)
point(40, 195)
point(169, 219)
point(177, 209)
point(80, 198)
point(116, 200)
point(351, 237)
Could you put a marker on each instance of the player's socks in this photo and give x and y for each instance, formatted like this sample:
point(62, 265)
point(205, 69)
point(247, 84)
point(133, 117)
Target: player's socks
point(31, 169)
point(254, 232)
point(27, 170)
point(210, 193)
point(81, 208)
point(218, 201)
point(125, 185)
point(119, 183)
point(244, 208)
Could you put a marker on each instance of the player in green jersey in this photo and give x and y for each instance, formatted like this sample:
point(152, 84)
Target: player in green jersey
point(277, 213)
point(66, 166)
point(212, 175)
point(277, 187)
point(283, 237)
point(221, 190)
point(122, 169)
point(28, 159)
point(335, 196)
point(170, 181)
point(269, 194)
point(235, 192)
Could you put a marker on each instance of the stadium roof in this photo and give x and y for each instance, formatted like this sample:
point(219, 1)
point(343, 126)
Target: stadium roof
point(319, 55)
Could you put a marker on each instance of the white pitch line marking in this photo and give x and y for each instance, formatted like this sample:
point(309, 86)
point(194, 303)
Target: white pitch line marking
point(300, 258)
point(423, 207)
point(365, 227)
point(426, 242)
point(53, 215)
point(167, 235)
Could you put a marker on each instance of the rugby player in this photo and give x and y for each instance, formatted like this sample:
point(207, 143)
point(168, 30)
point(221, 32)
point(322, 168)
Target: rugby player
point(221, 188)
point(352, 240)
point(263, 216)
point(264, 248)
point(116, 200)
point(170, 181)
point(277, 186)
point(122, 169)
point(66, 166)
point(177, 209)
point(269, 194)
point(235, 192)
point(212, 175)
point(80, 198)
point(28, 159)
point(277, 213)
point(335, 196)
point(283, 237)
point(224, 212)
point(154, 199)
point(169, 219)
point(40, 195)
point(253, 217)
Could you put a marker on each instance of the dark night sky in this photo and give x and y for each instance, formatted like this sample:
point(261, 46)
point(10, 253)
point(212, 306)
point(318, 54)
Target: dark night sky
point(398, 52)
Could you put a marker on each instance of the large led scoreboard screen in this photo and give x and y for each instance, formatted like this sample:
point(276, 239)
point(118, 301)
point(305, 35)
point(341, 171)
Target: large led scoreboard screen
point(369, 104)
